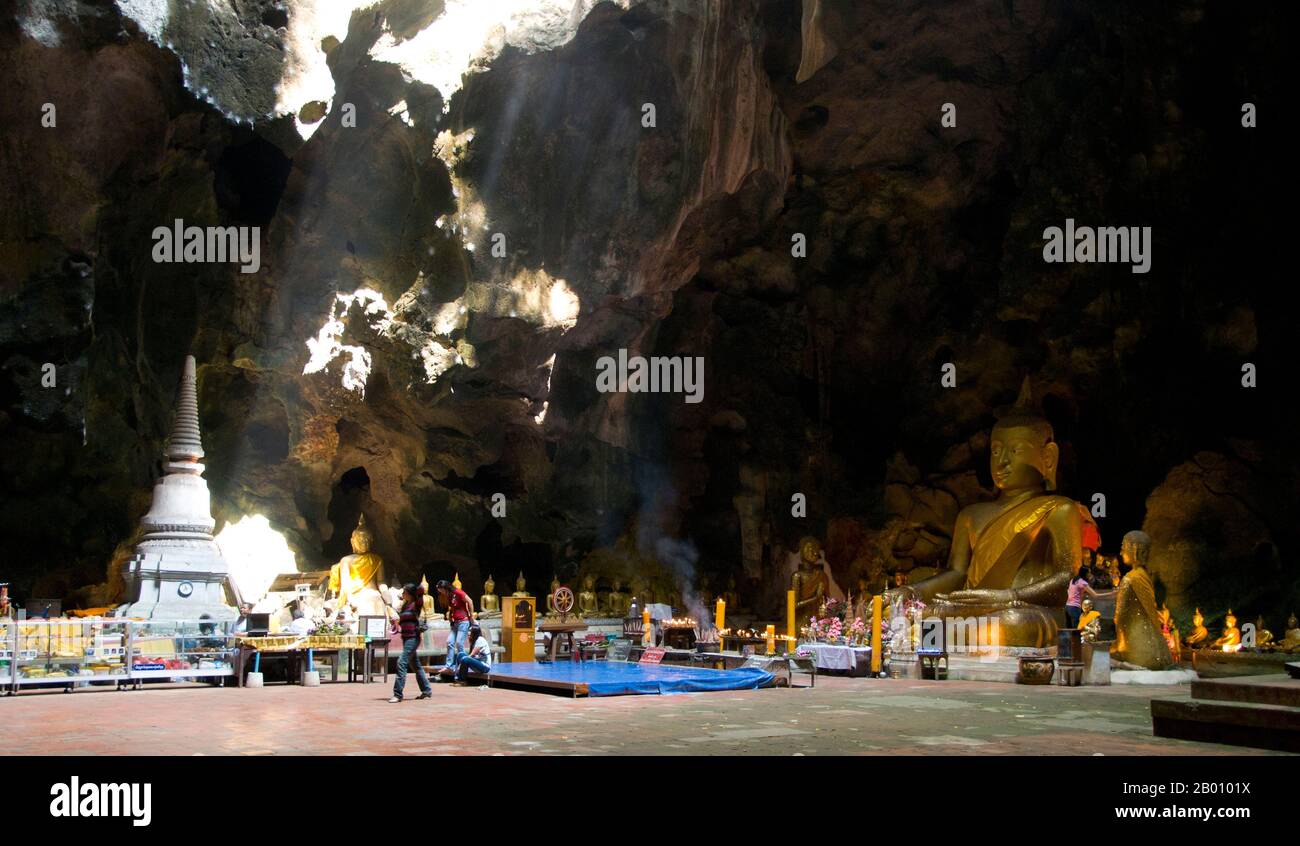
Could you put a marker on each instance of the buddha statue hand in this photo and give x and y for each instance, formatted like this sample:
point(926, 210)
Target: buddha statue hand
point(982, 596)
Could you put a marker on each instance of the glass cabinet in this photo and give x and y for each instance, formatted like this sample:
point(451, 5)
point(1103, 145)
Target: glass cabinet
point(67, 651)
point(181, 650)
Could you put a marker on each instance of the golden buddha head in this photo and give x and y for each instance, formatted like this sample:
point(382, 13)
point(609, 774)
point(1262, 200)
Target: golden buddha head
point(489, 586)
point(1134, 548)
point(618, 586)
point(1087, 605)
point(1198, 619)
point(1023, 453)
point(588, 582)
point(1231, 620)
point(1291, 622)
point(361, 537)
point(810, 549)
point(519, 582)
point(555, 584)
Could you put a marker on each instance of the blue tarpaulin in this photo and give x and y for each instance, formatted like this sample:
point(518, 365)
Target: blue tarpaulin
point(615, 678)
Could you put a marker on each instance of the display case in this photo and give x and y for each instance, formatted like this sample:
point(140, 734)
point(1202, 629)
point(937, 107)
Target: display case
point(181, 649)
point(66, 652)
point(8, 633)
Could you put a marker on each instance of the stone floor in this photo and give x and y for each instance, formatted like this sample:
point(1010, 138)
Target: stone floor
point(839, 716)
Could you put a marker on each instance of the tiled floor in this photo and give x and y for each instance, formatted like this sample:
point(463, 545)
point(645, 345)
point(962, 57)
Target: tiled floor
point(839, 716)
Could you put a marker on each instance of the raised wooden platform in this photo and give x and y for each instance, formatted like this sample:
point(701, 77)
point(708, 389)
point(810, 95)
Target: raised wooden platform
point(1258, 711)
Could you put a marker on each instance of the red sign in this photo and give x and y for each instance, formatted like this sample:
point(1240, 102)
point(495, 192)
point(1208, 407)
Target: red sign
point(652, 655)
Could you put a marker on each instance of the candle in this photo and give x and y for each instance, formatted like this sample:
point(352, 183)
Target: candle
point(875, 634)
point(771, 639)
point(789, 614)
point(720, 614)
point(647, 633)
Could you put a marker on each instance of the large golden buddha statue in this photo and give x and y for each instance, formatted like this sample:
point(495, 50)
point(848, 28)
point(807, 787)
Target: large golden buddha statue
point(521, 587)
point(1012, 559)
point(809, 581)
point(617, 602)
point(1137, 620)
point(356, 578)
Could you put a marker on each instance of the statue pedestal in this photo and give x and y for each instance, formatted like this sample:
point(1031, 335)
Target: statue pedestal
point(1096, 662)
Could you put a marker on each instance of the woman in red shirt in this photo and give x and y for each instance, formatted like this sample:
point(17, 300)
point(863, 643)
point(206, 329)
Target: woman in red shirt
point(460, 612)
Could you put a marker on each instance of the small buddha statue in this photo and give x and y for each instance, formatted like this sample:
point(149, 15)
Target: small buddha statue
point(1170, 633)
point(1290, 643)
point(1231, 640)
point(429, 603)
point(1199, 634)
point(1089, 622)
point(1137, 620)
point(730, 596)
point(355, 579)
point(588, 601)
point(489, 603)
point(521, 589)
point(809, 581)
point(1011, 559)
point(550, 596)
point(862, 602)
point(616, 601)
point(1263, 637)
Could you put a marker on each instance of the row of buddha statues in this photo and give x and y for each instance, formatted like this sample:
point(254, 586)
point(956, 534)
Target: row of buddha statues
point(1011, 560)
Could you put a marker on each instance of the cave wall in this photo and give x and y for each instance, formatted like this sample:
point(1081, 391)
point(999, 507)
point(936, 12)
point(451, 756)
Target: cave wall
point(821, 373)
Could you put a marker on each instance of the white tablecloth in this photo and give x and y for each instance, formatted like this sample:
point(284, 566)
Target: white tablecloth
point(829, 656)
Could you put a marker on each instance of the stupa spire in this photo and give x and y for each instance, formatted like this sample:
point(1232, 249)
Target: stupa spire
point(185, 443)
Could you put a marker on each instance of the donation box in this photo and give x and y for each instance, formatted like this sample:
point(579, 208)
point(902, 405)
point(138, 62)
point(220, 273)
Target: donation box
point(519, 627)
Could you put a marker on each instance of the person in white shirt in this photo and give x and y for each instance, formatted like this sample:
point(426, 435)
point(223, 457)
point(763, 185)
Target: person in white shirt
point(301, 625)
point(479, 658)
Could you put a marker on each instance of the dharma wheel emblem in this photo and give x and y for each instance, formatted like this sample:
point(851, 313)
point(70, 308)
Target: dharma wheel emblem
point(185, 588)
point(563, 600)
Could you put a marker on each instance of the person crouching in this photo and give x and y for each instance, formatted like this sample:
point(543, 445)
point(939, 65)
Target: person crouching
point(478, 660)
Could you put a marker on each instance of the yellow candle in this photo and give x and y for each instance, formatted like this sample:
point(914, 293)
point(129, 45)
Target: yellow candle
point(789, 614)
point(875, 634)
point(647, 633)
point(720, 614)
point(771, 639)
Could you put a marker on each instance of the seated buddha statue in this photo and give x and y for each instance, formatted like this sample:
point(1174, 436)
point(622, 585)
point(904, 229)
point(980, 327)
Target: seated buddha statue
point(1199, 633)
point(1263, 637)
point(809, 581)
point(550, 596)
point(730, 596)
point(588, 601)
point(1231, 640)
point(1137, 620)
point(521, 588)
point(1011, 559)
point(1089, 622)
point(1169, 632)
point(1290, 643)
point(356, 578)
point(489, 603)
point(616, 602)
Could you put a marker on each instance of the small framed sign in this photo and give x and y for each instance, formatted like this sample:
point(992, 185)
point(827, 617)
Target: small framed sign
point(373, 627)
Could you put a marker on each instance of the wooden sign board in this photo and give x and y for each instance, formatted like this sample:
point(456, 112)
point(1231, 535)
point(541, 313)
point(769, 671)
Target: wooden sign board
point(652, 655)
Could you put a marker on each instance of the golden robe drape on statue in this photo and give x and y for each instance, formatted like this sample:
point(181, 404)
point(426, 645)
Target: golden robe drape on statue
point(1000, 549)
point(1007, 554)
point(361, 570)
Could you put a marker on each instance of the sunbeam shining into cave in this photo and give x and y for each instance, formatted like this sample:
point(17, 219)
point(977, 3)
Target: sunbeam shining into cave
point(256, 554)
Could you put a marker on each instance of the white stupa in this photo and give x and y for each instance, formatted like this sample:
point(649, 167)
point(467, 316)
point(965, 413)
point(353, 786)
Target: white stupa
point(177, 572)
